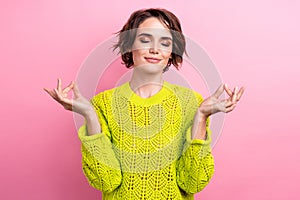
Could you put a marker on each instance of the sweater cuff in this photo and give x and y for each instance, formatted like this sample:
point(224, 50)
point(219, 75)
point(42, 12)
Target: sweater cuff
point(82, 134)
point(189, 139)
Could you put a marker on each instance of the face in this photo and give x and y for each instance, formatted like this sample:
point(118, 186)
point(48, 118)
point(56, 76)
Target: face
point(152, 47)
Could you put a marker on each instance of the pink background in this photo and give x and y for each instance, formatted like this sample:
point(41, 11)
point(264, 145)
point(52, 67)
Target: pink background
point(254, 44)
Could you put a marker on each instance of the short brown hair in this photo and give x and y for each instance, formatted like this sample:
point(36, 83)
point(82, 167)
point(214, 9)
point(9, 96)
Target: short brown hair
point(127, 37)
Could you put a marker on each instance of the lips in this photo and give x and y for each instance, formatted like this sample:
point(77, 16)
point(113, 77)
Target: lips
point(152, 60)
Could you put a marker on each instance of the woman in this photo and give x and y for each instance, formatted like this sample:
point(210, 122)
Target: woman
point(147, 139)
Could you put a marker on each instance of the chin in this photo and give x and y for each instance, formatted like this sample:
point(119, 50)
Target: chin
point(151, 68)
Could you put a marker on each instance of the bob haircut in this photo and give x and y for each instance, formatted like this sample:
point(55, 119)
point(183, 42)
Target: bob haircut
point(127, 35)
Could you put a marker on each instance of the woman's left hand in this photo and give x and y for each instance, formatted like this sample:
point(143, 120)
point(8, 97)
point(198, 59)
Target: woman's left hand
point(213, 104)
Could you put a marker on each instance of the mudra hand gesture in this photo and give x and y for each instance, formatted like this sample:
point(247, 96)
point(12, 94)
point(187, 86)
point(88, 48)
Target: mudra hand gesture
point(78, 104)
point(213, 104)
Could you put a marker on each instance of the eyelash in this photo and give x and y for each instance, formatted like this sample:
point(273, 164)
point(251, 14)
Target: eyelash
point(146, 41)
point(166, 45)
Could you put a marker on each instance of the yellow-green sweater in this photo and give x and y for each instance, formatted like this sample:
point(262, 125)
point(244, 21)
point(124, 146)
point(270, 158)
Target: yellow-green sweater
point(145, 150)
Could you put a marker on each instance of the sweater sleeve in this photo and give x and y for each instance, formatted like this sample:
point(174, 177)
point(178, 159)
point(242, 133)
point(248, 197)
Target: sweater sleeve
point(195, 167)
point(99, 162)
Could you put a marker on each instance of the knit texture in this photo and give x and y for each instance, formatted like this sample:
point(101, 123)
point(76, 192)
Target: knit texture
point(145, 150)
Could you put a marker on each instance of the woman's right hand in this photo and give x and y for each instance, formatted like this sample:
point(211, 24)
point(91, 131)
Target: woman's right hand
point(78, 104)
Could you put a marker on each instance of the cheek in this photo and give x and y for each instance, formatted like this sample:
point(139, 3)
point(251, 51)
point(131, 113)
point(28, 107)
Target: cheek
point(167, 54)
point(136, 55)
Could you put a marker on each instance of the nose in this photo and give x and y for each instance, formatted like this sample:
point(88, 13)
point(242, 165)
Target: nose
point(153, 49)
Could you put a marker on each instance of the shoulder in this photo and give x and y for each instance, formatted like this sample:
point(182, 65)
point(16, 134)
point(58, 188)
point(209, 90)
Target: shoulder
point(105, 96)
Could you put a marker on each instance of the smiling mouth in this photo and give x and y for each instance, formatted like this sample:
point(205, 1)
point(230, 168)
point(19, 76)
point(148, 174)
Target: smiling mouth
point(152, 60)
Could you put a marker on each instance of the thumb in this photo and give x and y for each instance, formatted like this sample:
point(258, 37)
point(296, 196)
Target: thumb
point(219, 91)
point(76, 91)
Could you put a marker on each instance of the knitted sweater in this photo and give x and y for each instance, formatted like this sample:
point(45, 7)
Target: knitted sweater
point(145, 150)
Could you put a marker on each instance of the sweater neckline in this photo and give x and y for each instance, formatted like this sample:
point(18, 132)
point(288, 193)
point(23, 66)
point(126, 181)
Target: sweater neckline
point(154, 99)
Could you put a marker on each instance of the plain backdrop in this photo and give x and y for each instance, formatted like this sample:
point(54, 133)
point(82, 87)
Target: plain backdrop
point(252, 43)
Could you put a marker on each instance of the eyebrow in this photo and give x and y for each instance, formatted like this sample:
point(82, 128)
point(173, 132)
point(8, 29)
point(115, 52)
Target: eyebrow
point(149, 35)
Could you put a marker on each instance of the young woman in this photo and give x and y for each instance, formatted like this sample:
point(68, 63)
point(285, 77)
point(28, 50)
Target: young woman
point(147, 139)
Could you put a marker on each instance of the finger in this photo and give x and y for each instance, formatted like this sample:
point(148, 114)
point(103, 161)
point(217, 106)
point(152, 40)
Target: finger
point(229, 109)
point(47, 90)
point(69, 87)
point(59, 85)
point(76, 91)
point(62, 100)
point(234, 96)
point(57, 94)
point(228, 91)
point(240, 93)
point(221, 105)
point(219, 91)
point(50, 92)
point(228, 103)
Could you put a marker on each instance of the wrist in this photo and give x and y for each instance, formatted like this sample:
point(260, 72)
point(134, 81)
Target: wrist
point(204, 112)
point(90, 115)
point(199, 127)
point(201, 118)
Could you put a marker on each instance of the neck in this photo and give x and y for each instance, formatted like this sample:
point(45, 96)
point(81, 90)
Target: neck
point(146, 85)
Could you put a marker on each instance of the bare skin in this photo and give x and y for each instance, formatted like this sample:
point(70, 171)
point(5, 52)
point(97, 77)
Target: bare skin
point(209, 106)
point(151, 51)
point(78, 104)
point(212, 105)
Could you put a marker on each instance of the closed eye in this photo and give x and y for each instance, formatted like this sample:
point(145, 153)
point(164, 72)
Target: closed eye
point(144, 41)
point(166, 43)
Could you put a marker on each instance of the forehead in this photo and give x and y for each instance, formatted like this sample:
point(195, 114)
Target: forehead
point(154, 27)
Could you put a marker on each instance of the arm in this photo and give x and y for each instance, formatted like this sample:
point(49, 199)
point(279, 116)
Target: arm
point(100, 165)
point(195, 167)
point(99, 162)
point(92, 123)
